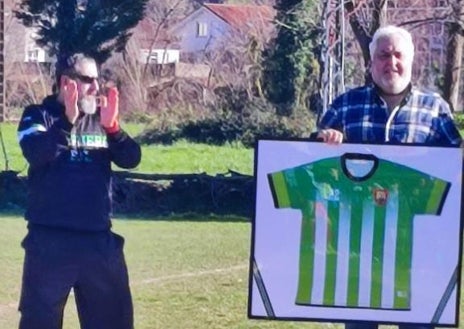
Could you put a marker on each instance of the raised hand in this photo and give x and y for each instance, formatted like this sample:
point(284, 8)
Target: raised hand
point(69, 87)
point(109, 110)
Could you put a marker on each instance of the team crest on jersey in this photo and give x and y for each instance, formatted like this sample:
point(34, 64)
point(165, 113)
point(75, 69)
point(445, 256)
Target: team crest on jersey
point(380, 196)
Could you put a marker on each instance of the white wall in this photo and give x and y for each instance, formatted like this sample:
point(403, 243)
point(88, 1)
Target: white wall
point(32, 52)
point(187, 31)
point(159, 56)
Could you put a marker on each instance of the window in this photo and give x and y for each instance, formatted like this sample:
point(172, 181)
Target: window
point(437, 29)
point(438, 3)
point(442, 3)
point(436, 42)
point(33, 55)
point(153, 58)
point(202, 29)
point(165, 57)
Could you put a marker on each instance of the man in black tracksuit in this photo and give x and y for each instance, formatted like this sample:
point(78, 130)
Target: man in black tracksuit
point(70, 141)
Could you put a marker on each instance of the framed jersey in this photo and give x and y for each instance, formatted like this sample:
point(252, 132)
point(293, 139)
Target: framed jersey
point(356, 232)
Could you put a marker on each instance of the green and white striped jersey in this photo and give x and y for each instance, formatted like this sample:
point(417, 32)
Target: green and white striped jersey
point(357, 229)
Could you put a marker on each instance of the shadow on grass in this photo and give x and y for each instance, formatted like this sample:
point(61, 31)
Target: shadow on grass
point(194, 197)
point(184, 196)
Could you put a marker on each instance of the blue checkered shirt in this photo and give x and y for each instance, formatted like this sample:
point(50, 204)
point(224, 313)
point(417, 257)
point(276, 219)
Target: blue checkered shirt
point(363, 116)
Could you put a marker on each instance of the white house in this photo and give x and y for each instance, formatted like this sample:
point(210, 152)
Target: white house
point(154, 48)
point(158, 55)
point(208, 27)
point(32, 52)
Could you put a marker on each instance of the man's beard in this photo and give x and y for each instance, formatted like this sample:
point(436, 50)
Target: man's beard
point(87, 104)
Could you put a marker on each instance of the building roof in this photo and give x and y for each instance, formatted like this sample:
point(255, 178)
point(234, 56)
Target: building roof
point(241, 16)
point(145, 31)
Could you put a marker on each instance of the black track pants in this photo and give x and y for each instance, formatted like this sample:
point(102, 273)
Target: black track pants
point(92, 265)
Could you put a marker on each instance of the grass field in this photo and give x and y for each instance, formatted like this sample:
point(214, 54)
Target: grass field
point(186, 273)
point(179, 158)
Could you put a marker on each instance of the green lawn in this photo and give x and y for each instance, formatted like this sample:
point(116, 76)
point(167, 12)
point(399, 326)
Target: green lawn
point(184, 274)
point(182, 157)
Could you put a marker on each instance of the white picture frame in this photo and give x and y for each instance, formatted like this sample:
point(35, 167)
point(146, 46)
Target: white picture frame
point(276, 241)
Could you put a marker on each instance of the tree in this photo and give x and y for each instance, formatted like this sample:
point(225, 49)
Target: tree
point(291, 68)
point(366, 16)
point(25, 83)
point(363, 30)
point(454, 51)
point(140, 75)
point(94, 27)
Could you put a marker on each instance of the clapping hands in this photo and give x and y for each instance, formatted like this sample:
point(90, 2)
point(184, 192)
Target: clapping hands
point(109, 108)
point(69, 87)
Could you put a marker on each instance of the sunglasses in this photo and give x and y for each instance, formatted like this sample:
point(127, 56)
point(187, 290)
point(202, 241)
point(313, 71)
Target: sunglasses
point(85, 78)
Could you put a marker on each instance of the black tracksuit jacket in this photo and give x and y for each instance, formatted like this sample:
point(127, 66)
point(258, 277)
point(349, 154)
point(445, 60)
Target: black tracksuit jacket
point(69, 176)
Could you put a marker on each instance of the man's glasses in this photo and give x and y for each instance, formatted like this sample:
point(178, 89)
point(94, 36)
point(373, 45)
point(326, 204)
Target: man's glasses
point(84, 78)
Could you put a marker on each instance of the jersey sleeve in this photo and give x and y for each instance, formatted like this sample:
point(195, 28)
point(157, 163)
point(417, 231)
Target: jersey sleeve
point(427, 194)
point(299, 187)
point(438, 192)
point(279, 189)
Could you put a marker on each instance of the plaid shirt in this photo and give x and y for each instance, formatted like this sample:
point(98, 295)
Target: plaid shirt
point(363, 116)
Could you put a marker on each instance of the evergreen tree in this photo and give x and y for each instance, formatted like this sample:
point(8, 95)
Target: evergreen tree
point(291, 66)
point(94, 27)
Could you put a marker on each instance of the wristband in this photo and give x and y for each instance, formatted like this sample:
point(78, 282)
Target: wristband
point(113, 129)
